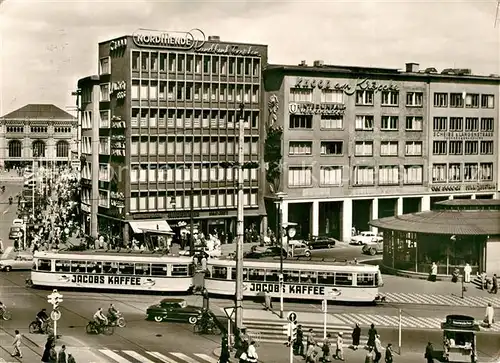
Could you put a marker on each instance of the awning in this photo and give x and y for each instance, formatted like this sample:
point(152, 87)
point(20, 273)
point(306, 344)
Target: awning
point(151, 226)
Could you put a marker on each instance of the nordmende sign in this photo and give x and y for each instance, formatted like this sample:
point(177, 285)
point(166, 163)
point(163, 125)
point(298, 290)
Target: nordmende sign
point(192, 40)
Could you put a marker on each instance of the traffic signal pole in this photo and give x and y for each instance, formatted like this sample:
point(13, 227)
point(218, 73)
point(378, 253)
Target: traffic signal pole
point(55, 299)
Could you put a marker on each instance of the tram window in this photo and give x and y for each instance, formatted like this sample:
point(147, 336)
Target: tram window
point(272, 275)
point(326, 278)
point(233, 274)
point(291, 276)
point(110, 268)
point(255, 275)
point(78, 266)
point(126, 268)
point(365, 279)
point(63, 266)
point(179, 270)
point(158, 270)
point(44, 265)
point(94, 267)
point(219, 272)
point(142, 269)
point(308, 277)
point(342, 278)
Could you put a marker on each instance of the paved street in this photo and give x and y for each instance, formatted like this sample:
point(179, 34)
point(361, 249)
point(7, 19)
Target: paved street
point(8, 214)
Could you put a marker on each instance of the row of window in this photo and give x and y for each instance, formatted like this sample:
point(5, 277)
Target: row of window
point(189, 91)
point(299, 176)
point(363, 97)
point(38, 149)
point(469, 100)
point(302, 277)
point(152, 203)
point(38, 129)
point(362, 148)
point(184, 173)
point(442, 147)
point(455, 172)
point(458, 124)
point(362, 122)
point(180, 63)
point(119, 268)
point(192, 146)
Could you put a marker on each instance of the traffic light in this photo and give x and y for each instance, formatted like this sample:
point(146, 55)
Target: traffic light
point(55, 299)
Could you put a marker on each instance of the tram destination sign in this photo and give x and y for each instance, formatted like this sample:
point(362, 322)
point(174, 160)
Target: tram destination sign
point(292, 289)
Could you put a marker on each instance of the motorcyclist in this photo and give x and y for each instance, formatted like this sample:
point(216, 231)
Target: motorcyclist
point(100, 318)
point(3, 308)
point(10, 200)
point(41, 318)
point(112, 313)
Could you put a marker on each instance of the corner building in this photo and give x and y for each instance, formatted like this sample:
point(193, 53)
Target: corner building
point(358, 143)
point(167, 127)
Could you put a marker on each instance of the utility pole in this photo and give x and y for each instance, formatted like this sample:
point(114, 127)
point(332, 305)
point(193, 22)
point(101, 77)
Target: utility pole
point(240, 231)
point(78, 94)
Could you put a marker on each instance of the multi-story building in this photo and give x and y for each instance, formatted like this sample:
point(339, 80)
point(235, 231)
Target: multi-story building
point(362, 143)
point(165, 111)
point(41, 132)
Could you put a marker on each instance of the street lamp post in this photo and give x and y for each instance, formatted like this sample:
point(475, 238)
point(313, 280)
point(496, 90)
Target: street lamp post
point(279, 231)
point(240, 230)
point(191, 225)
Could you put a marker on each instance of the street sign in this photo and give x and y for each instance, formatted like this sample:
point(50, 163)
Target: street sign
point(324, 305)
point(292, 317)
point(55, 315)
point(229, 312)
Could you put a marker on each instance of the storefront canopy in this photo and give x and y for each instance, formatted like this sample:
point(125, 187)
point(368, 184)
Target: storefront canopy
point(151, 226)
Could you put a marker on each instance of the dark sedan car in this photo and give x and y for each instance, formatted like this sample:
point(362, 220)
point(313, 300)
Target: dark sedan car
point(268, 252)
point(174, 310)
point(321, 242)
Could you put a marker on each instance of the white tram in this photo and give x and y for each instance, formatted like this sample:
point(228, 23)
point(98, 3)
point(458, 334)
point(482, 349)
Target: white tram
point(118, 271)
point(337, 281)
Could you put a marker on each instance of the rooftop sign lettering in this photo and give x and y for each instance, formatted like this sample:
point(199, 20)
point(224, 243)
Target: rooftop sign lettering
point(360, 85)
point(192, 39)
point(229, 50)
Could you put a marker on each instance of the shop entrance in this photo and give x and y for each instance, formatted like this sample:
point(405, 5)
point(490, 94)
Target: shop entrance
point(387, 207)
point(361, 214)
point(411, 205)
point(300, 213)
point(330, 219)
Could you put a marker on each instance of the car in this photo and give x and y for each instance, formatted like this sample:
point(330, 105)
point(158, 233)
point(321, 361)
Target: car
point(365, 237)
point(268, 252)
point(299, 250)
point(21, 262)
point(372, 248)
point(17, 222)
point(174, 310)
point(15, 232)
point(322, 242)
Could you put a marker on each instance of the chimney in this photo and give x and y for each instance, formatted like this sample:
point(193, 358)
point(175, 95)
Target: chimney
point(213, 38)
point(318, 63)
point(412, 67)
point(303, 63)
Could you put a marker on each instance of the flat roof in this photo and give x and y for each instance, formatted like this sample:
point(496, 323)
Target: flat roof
point(471, 202)
point(448, 222)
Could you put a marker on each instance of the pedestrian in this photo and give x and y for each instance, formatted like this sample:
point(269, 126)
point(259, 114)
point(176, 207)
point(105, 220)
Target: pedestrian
point(356, 335)
point(71, 359)
point(378, 349)
point(389, 354)
point(370, 355)
point(49, 353)
point(467, 272)
point(433, 274)
point(17, 345)
point(490, 316)
point(224, 350)
point(372, 333)
point(298, 345)
point(310, 340)
point(339, 348)
point(494, 284)
point(429, 353)
point(268, 303)
point(326, 348)
point(252, 356)
point(62, 356)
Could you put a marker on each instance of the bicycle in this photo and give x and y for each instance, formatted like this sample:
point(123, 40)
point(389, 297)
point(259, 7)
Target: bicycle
point(36, 328)
point(206, 326)
point(99, 328)
point(119, 321)
point(5, 314)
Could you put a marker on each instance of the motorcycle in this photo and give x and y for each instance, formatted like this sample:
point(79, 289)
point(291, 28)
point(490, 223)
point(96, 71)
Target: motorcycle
point(118, 321)
point(36, 328)
point(5, 315)
point(97, 328)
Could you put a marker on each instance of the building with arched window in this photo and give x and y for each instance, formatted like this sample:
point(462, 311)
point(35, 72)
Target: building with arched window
point(40, 132)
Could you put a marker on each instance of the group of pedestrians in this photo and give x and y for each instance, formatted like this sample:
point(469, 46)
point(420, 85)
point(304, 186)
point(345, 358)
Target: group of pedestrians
point(50, 355)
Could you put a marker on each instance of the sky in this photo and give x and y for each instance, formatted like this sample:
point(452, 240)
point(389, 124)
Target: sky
point(46, 46)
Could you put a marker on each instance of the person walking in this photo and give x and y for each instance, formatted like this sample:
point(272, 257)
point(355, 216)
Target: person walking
point(224, 350)
point(429, 353)
point(467, 272)
point(433, 274)
point(339, 349)
point(326, 348)
point(378, 349)
point(370, 355)
point(356, 335)
point(298, 344)
point(494, 284)
point(490, 316)
point(62, 357)
point(372, 333)
point(310, 340)
point(17, 345)
point(252, 356)
point(389, 354)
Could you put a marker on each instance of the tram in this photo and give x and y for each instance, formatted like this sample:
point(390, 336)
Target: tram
point(331, 281)
point(112, 271)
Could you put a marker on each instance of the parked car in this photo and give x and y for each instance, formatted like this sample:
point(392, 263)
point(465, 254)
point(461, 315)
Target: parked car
point(372, 248)
point(322, 242)
point(21, 262)
point(268, 252)
point(300, 250)
point(18, 222)
point(15, 232)
point(365, 237)
point(174, 310)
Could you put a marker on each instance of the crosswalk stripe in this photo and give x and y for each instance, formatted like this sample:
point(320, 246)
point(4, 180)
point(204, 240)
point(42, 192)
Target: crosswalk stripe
point(137, 356)
point(114, 356)
point(207, 358)
point(161, 357)
point(184, 357)
point(436, 299)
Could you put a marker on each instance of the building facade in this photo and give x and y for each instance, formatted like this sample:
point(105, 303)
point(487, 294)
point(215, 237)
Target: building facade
point(40, 132)
point(166, 121)
point(358, 143)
